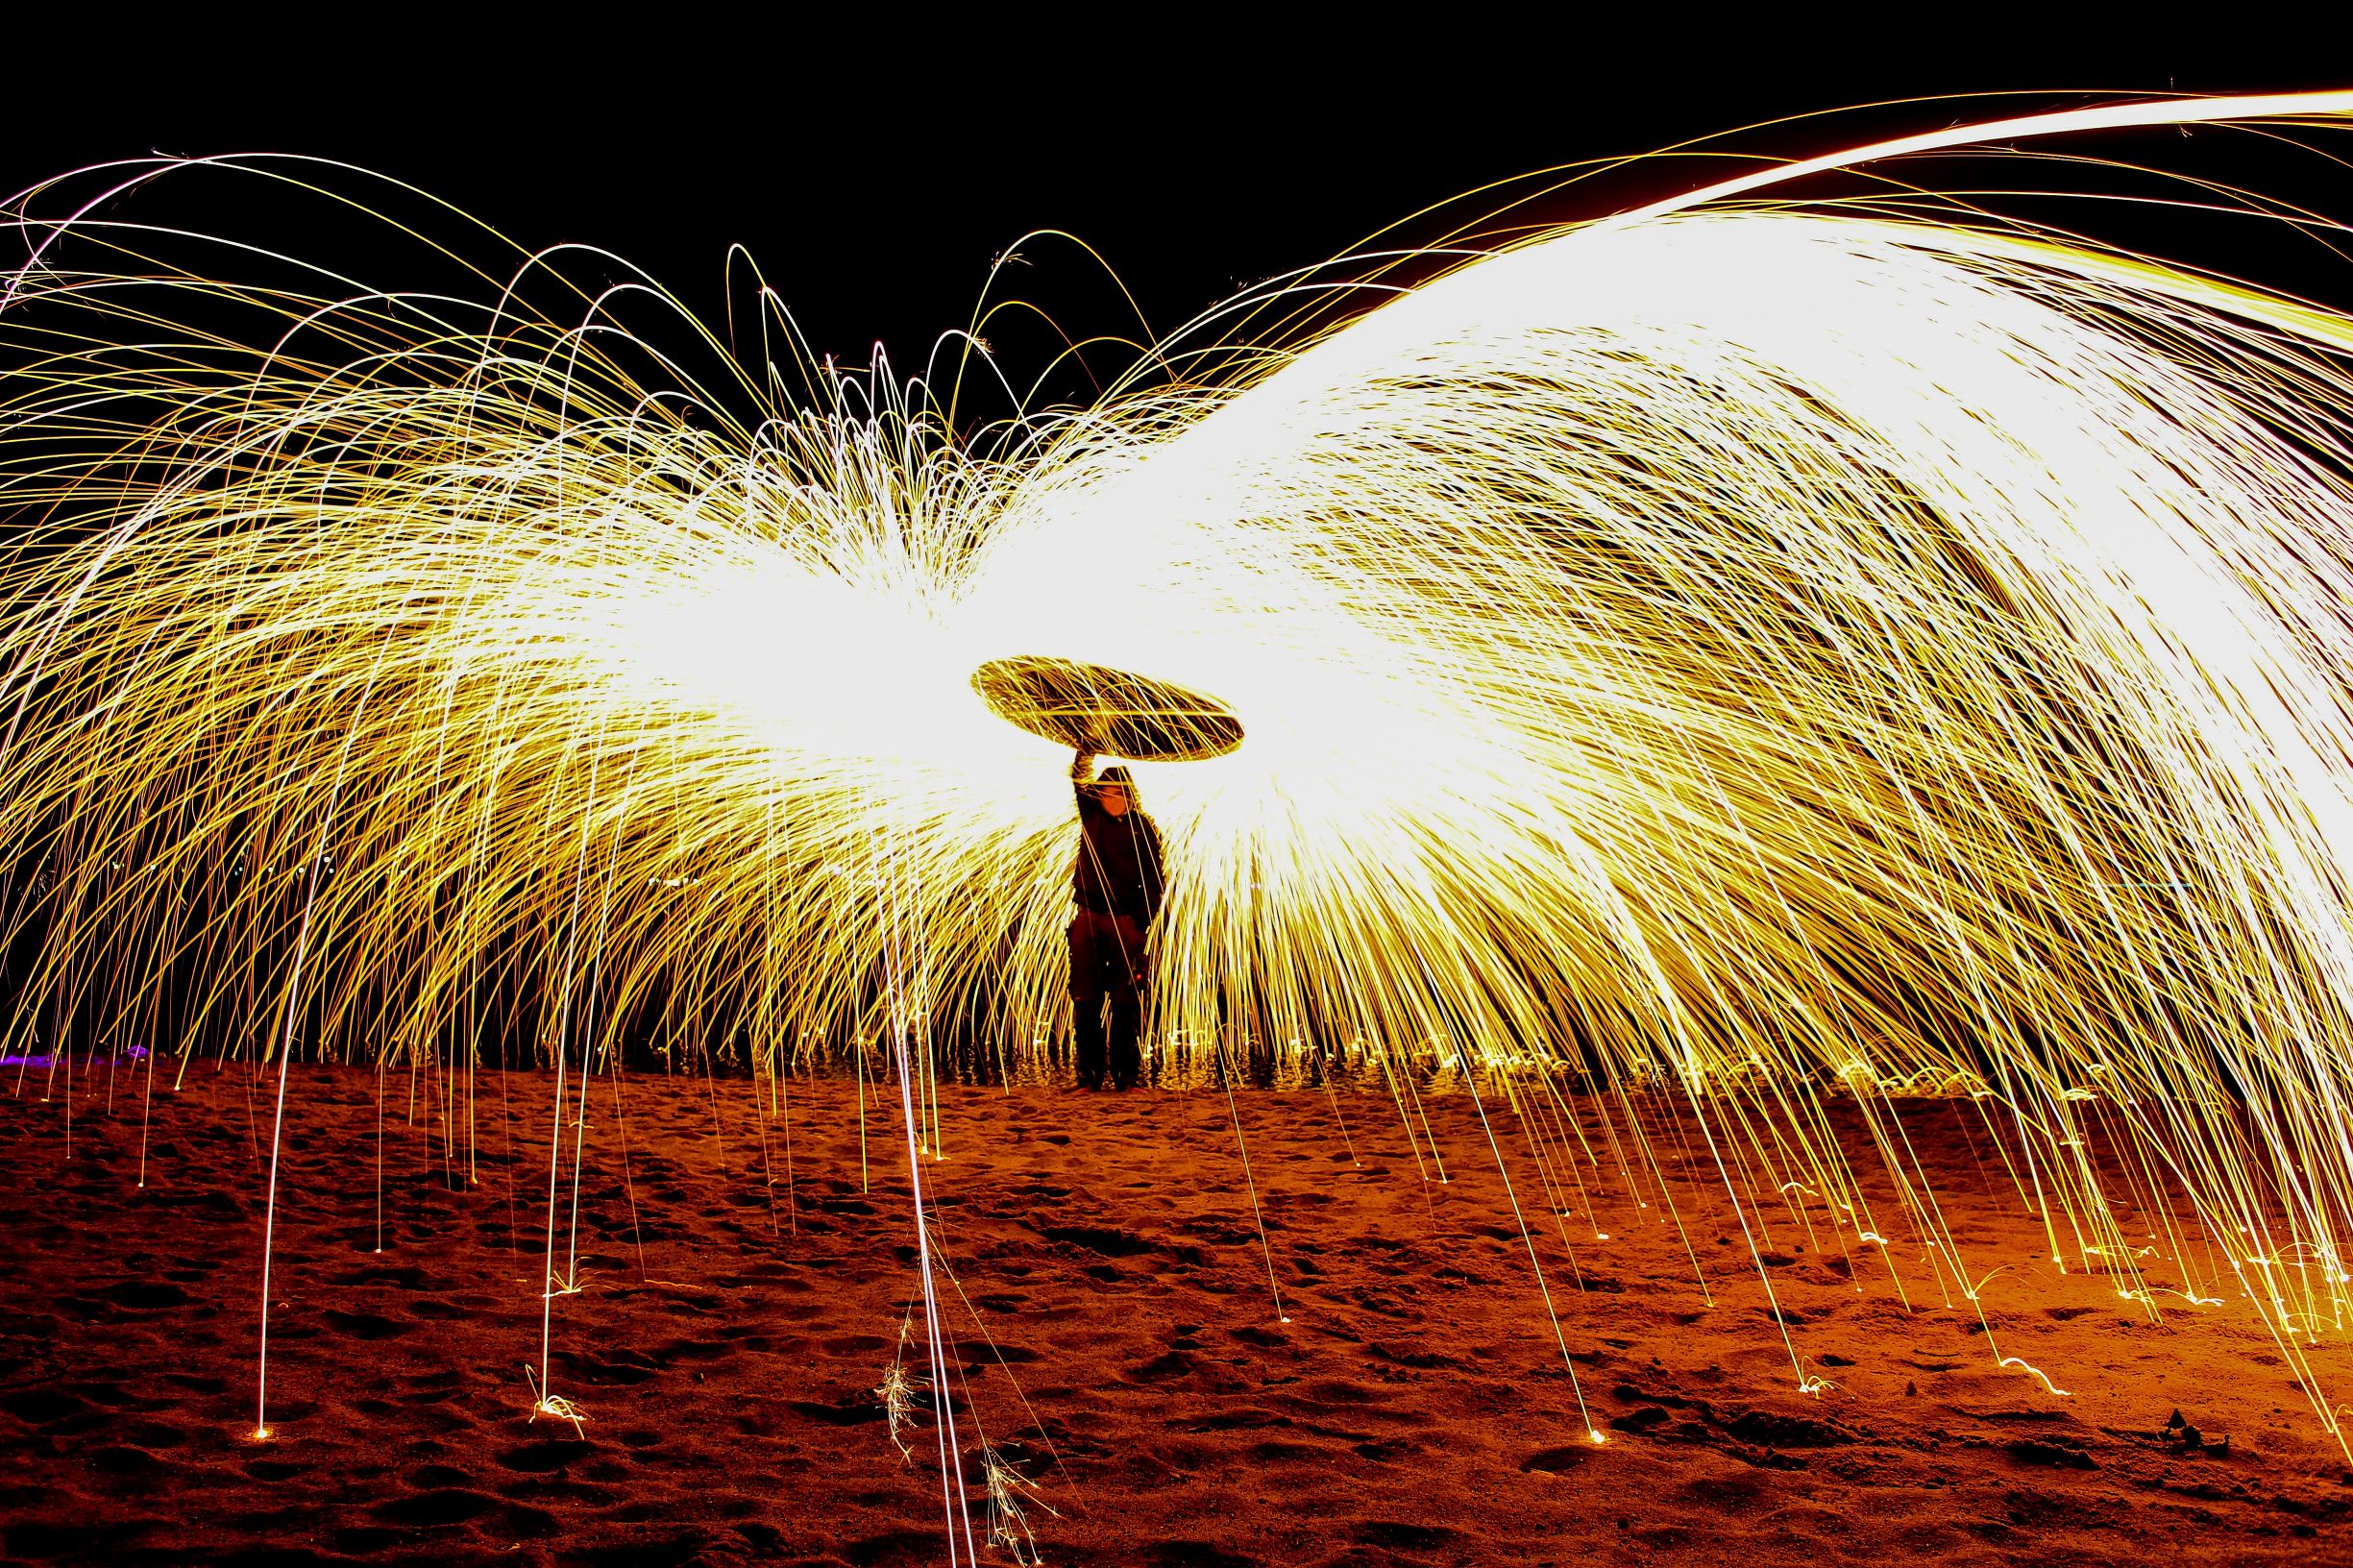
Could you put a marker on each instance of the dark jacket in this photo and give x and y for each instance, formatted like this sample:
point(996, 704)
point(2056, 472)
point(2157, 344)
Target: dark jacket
point(1117, 870)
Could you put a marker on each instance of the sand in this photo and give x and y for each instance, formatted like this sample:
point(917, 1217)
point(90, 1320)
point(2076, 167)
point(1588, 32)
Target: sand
point(1116, 1338)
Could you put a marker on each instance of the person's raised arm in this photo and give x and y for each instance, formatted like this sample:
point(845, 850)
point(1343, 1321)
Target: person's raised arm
point(1082, 776)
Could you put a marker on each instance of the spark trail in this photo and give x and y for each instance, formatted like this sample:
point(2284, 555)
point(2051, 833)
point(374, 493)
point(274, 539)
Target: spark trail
point(1760, 646)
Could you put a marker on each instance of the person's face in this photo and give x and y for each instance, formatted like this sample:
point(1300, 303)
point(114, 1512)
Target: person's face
point(1114, 800)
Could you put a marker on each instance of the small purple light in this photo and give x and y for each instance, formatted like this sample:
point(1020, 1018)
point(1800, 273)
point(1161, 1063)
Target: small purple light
point(134, 1053)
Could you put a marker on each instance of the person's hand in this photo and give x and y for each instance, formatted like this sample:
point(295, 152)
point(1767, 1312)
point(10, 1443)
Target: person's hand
point(1082, 764)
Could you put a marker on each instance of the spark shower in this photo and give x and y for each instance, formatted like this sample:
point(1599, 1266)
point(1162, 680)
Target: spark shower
point(1752, 649)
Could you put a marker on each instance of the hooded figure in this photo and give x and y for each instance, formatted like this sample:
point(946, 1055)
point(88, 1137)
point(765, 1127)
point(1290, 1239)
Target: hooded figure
point(1116, 883)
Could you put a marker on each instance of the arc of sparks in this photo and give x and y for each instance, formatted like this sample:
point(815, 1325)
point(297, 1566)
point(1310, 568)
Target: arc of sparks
point(1762, 648)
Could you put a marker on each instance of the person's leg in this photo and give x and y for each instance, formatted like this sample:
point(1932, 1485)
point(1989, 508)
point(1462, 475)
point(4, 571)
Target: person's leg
point(1124, 1048)
point(1087, 1000)
point(1088, 1025)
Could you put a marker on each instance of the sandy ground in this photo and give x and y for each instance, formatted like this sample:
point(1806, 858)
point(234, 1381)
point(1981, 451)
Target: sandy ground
point(1115, 1337)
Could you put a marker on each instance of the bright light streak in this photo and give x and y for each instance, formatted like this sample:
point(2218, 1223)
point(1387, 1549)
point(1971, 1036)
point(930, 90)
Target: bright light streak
point(1771, 649)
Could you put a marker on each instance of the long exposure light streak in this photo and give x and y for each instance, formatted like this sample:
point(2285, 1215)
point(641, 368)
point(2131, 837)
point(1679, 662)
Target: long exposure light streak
point(1751, 647)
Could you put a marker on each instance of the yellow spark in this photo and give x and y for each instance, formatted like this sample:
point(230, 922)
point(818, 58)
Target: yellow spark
point(1011, 1495)
point(554, 1406)
point(1829, 650)
point(897, 1391)
point(2038, 1372)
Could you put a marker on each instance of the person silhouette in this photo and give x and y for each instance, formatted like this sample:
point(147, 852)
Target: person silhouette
point(1116, 883)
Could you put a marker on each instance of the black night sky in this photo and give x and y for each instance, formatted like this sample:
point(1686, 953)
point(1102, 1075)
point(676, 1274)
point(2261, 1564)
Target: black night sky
point(874, 177)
